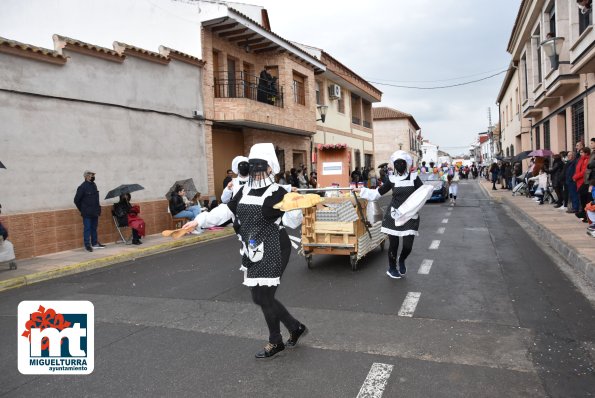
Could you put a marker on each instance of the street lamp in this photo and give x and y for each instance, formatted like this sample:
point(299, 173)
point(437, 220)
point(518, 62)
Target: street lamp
point(552, 48)
point(322, 109)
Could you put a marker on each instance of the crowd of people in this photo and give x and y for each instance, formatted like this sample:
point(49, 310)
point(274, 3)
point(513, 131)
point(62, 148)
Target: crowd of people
point(567, 181)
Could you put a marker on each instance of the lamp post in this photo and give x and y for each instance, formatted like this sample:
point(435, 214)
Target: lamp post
point(322, 109)
point(552, 48)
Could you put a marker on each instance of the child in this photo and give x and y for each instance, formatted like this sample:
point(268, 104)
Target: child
point(453, 187)
point(590, 209)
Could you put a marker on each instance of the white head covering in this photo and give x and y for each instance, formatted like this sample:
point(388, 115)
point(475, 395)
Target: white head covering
point(236, 161)
point(265, 151)
point(402, 155)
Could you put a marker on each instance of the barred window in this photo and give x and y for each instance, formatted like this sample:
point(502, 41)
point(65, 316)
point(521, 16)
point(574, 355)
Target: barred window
point(537, 138)
point(578, 122)
point(546, 135)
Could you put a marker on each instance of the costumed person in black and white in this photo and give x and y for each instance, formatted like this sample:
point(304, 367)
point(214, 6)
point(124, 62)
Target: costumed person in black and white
point(401, 218)
point(265, 244)
point(239, 166)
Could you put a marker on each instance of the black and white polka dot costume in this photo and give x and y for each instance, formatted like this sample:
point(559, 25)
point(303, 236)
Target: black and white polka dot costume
point(261, 233)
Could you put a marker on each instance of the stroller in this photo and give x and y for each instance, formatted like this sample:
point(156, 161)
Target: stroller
point(523, 187)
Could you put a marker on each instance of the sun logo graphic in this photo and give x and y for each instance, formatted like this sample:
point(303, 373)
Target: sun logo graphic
point(56, 337)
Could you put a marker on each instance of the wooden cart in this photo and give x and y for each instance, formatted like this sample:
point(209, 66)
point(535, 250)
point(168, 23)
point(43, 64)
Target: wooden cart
point(354, 239)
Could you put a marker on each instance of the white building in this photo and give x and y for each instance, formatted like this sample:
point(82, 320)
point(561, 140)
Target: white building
point(429, 152)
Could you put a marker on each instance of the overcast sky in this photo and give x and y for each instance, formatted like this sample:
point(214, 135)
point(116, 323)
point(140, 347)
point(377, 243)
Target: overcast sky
point(402, 42)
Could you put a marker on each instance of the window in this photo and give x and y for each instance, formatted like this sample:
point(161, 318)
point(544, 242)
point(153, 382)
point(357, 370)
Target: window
point(507, 151)
point(537, 138)
point(552, 13)
point(546, 135)
point(510, 114)
point(584, 20)
point(367, 114)
point(518, 101)
point(356, 109)
point(525, 77)
point(341, 102)
point(299, 89)
point(511, 150)
point(358, 160)
point(319, 99)
point(578, 122)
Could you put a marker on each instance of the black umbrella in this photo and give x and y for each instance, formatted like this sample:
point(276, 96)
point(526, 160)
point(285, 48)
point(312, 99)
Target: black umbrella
point(521, 156)
point(187, 184)
point(122, 189)
point(383, 165)
point(2, 166)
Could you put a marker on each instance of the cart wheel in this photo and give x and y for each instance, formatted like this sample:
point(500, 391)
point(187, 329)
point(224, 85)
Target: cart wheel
point(353, 261)
point(12, 265)
point(382, 246)
point(309, 261)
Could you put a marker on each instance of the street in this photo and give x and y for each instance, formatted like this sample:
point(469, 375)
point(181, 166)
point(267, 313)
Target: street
point(488, 314)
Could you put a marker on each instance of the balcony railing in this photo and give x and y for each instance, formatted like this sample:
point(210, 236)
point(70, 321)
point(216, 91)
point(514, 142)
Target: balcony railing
point(355, 120)
point(242, 85)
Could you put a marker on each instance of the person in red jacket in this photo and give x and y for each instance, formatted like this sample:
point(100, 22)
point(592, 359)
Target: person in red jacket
point(579, 179)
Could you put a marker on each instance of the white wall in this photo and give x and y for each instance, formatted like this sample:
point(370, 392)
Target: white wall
point(429, 153)
point(47, 143)
point(388, 134)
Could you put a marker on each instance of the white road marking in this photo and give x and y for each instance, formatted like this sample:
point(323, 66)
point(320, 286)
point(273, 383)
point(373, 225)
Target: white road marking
point(408, 307)
point(375, 382)
point(425, 267)
point(448, 214)
point(441, 230)
point(434, 245)
point(294, 238)
point(445, 221)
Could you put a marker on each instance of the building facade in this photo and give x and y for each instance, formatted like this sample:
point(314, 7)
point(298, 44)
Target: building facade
point(394, 130)
point(85, 107)
point(553, 50)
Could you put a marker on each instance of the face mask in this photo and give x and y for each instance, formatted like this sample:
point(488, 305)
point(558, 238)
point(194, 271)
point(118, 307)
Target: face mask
point(244, 169)
point(92, 179)
point(400, 166)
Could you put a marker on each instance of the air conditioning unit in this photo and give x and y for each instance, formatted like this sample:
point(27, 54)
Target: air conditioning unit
point(334, 91)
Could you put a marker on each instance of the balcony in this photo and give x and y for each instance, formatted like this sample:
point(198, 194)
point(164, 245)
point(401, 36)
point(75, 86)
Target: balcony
point(241, 85)
point(355, 120)
point(242, 100)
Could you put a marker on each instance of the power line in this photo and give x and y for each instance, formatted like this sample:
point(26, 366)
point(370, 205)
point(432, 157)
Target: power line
point(440, 87)
point(435, 81)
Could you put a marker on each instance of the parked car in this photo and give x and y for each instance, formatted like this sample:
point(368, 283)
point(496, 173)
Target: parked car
point(440, 193)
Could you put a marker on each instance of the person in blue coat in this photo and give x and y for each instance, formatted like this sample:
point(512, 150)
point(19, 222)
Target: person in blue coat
point(87, 202)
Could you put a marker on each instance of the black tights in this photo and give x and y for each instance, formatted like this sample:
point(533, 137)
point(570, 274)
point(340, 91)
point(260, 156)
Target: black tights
point(274, 312)
point(393, 247)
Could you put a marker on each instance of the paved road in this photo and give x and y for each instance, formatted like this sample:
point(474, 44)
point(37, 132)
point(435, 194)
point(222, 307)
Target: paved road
point(494, 317)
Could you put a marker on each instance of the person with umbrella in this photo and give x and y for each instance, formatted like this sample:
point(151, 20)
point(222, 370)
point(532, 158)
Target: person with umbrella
point(86, 200)
point(265, 244)
point(179, 208)
point(127, 214)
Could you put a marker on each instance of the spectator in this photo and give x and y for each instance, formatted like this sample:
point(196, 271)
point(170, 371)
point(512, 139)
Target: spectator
point(558, 179)
point(127, 214)
point(302, 182)
point(313, 180)
point(590, 209)
point(280, 179)
point(581, 186)
point(86, 200)
point(365, 176)
point(287, 178)
point(228, 178)
point(356, 176)
point(293, 178)
point(579, 145)
point(178, 207)
point(6, 247)
point(494, 171)
point(508, 176)
point(570, 185)
point(541, 185)
point(590, 173)
point(517, 172)
point(372, 179)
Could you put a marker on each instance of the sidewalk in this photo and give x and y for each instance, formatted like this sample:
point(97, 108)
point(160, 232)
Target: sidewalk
point(55, 265)
point(565, 233)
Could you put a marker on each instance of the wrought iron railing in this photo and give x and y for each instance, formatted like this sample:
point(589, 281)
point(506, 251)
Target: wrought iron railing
point(242, 85)
point(355, 120)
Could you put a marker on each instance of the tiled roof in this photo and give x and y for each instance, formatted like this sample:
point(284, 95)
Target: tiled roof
point(382, 112)
point(30, 51)
point(124, 49)
point(171, 53)
point(80, 44)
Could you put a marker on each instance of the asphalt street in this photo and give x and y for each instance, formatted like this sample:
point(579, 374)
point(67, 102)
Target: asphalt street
point(482, 312)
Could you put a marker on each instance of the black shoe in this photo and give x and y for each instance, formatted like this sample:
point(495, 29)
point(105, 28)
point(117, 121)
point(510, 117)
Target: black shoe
point(98, 246)
point(494, 189)
point(270, 350)
point(557, 206)
point(294, 337)
point(402, 268)
point(88, 248)
point(136, 242)
point(393, 273)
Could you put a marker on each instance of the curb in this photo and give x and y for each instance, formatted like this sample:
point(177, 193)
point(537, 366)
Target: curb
point(577, 261)
point(71, 269)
